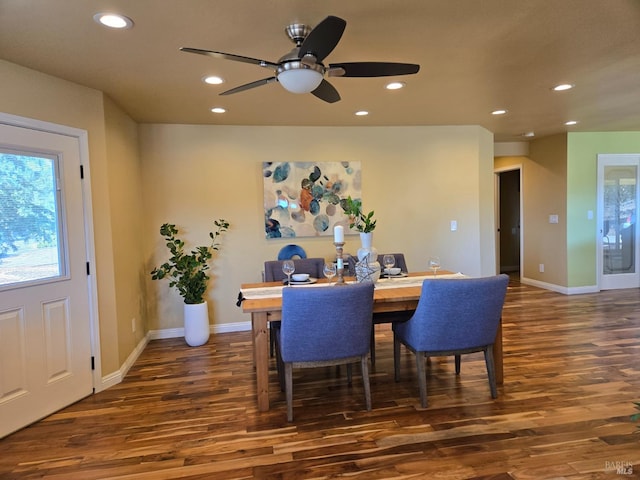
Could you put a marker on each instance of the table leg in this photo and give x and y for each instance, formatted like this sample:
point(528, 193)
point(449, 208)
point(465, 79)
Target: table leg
point(261, 358)
point(498, 357)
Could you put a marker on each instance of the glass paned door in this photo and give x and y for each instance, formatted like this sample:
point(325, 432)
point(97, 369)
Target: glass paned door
point(31, 244)
point(618, 192)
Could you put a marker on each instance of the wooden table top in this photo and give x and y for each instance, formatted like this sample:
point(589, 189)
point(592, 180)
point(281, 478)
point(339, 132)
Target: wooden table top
point(401, 293)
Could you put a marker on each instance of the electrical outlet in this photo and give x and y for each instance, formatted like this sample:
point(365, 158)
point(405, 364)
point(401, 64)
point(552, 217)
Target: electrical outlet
point(133, 325)
point(541, 267)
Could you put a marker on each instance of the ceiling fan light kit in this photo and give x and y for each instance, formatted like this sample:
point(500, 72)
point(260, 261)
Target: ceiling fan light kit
point(300, 80)
point(302, 71)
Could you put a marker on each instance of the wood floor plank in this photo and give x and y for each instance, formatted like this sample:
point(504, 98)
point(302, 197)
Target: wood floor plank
point(572, 373)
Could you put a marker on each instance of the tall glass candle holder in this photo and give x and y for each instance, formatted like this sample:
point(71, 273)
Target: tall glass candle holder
point(339, 263)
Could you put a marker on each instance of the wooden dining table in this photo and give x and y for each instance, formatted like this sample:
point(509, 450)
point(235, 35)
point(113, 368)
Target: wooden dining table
point(390, 297)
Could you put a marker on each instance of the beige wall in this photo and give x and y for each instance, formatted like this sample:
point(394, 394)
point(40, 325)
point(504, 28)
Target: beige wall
point(544, 192)
point(125, 178)
point(411, 179)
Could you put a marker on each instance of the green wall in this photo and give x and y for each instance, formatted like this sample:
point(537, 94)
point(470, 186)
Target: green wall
point(582, 157)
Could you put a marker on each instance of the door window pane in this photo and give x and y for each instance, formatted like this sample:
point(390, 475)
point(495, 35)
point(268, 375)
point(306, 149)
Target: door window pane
point(619, 218)
point(30, 240)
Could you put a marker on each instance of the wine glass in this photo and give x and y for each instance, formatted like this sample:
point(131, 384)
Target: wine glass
point(434, 264)
point(329, 270)
point(288, 267)
point(388, 261)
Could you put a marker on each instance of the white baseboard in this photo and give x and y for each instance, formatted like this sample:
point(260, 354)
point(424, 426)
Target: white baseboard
point(559, 288)
point(179, 332)
point(117, 376)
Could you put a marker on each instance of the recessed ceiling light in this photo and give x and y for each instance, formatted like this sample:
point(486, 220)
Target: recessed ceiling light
point(571, 122)
point(212, 80)
point(499, 112)
point(362, 113)
point(218, 110)
point(395, 85)
point(113, 20)
point(528, 134)
point(562, 87)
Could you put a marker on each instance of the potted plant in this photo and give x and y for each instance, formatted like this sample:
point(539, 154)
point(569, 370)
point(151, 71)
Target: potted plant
point(365, 224)
point(353, 209)
point(187, 273)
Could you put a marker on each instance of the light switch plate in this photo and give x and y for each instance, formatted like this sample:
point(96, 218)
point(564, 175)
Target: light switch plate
point(553, 218)
point(454, 225)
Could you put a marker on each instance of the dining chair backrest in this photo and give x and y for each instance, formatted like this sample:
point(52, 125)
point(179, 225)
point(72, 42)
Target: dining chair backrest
point(400, 262)
point(455, 314)
point(326, 323)
point(313, 266)
point(290, 251)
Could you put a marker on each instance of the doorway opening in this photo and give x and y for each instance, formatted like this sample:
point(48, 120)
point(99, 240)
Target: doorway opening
point(508, 221)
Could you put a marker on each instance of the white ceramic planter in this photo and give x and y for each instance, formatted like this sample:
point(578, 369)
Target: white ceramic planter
point(196, 324)
point(372, 272)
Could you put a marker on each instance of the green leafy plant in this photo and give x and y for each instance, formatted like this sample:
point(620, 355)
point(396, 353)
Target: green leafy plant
point(636, 416)
point(353, 209)
point(187, 271)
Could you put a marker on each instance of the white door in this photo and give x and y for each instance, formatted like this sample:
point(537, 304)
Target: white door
point(45, 320)
point(617, 221)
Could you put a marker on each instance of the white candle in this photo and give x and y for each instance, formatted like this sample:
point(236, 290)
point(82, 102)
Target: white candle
point(338, 234)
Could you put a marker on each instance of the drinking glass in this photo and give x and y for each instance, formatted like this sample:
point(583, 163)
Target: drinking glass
point(329, 270)
point(288, 267)
point(388, 261)
point(434, 264)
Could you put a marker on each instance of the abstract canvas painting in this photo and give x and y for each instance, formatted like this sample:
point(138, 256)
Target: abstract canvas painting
point(302, 199)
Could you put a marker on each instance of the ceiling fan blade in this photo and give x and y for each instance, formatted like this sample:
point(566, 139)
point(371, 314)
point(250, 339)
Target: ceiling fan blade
point(323, 38)
point(247, 86)
point(230, 56)
point(325, 91)
point(371, 69)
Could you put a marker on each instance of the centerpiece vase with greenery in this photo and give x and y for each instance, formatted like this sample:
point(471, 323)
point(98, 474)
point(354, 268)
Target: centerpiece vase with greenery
point(365, 224)
point(187, 273)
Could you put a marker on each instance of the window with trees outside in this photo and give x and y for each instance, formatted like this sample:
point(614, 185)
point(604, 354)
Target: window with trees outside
point(31, 245)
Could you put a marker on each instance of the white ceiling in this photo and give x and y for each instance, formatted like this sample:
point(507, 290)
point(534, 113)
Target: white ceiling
point(475, 56)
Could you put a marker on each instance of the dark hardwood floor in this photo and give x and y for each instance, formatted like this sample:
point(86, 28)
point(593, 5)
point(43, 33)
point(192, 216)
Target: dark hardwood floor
point(572, 373)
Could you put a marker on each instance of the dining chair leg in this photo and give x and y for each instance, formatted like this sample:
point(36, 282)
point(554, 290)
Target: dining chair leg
point(457, 357)
point(365, 380)
point(422, 378)
point(396, 358)
point(349, 374)
point(491, 370)
point(288, 380)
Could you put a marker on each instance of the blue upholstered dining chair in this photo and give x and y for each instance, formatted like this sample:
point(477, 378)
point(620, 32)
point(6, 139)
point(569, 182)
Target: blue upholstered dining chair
point(273, 273)
point(453, 317)
point(400, 261)
point(313, 266)
point(324, 326)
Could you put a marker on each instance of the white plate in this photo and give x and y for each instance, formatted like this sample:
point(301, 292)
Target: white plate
point(306, 282)
point(401, 274)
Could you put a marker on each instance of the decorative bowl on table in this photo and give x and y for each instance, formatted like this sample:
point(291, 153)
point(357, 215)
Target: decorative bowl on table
point(300, 277)
point(393, 271)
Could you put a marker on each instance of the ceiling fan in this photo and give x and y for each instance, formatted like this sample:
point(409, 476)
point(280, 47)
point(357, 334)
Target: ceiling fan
point(302, 71)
